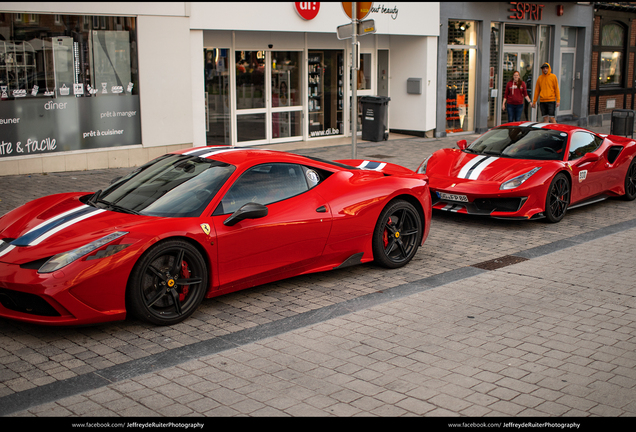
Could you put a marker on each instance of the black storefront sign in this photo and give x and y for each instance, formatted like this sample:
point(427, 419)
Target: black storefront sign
point(41, 125)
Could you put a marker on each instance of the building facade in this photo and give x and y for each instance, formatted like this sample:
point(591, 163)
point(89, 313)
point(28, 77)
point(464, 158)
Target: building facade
point(103, 85)
point(486, 42)
point(612, 84)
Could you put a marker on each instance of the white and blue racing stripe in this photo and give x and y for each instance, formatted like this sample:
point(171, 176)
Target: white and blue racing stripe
point(49, 227)
point(370, 165)
point(475, 166)
point(5, 247)
point(206, 152)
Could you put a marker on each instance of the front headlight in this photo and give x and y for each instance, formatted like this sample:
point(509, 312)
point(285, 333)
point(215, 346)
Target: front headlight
point(63, 259)
point(422, 167)
point(517, 181)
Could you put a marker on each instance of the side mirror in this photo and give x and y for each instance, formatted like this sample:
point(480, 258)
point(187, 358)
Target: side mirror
point(248, 211)
point(462, 144)
point(588, 157)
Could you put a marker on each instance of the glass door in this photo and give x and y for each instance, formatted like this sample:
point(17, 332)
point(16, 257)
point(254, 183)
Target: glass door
point(217, 96)
point(566, 78)
point(566, 82)
point(325, 95)
point(522, 62)
point(268, 97)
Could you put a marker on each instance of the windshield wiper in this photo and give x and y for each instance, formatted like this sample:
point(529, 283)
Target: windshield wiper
point(93, 199)
point(115, 207)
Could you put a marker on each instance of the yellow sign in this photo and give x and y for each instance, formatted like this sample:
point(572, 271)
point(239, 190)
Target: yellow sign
point(206, 228)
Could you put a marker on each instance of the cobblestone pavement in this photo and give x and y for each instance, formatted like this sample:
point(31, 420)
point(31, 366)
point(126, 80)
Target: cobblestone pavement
point(553, 335)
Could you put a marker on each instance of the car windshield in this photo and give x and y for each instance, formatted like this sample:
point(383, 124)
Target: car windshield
point(171, 186)
point(521, 143)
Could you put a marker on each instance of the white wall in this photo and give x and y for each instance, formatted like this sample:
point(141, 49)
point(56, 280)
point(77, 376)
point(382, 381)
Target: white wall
point(413, 18)
point(165, 80)
point(412, 57)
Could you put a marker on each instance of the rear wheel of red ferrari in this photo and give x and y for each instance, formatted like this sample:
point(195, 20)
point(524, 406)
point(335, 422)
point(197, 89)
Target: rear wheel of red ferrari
point(558, 198)
point(630, 182)
point(397, 235)
point(168, 283)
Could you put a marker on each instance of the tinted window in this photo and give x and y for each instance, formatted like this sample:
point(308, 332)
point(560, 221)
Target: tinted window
point(264, 184)
point(521, 143)
point(582, 143)
point(174, 186)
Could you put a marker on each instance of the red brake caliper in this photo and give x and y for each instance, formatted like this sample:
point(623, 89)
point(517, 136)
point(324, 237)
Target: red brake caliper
point(385, 235)
point(185, 273)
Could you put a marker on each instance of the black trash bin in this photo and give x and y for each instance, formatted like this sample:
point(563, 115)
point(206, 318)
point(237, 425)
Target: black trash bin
point(622, 122)
point(374, 118)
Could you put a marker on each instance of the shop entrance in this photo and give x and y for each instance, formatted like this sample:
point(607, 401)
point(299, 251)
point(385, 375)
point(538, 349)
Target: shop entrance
point(522, 62)
point(268, 97)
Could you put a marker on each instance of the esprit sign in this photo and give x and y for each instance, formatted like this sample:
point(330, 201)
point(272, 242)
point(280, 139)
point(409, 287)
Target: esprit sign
point(307, 10)
point(530, 11)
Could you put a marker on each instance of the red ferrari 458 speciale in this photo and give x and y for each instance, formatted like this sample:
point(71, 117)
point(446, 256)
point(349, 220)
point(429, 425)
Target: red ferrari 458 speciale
point(201, 223)
point(527, 170)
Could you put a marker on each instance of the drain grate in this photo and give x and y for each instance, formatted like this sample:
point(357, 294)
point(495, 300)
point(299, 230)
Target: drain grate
point(498, 263)
point(380, 157)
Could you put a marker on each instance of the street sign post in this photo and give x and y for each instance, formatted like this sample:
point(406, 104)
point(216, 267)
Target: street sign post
point(363, 28)
point(353, 30)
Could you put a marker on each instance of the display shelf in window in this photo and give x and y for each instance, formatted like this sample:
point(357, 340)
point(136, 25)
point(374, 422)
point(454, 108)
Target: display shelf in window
point(17, 69)
point(315, 93)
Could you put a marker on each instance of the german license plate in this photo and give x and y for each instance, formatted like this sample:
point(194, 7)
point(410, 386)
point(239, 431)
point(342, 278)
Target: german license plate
point(452, 197)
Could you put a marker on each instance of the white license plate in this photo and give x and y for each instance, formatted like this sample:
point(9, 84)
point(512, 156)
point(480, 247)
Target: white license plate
point(452, 197)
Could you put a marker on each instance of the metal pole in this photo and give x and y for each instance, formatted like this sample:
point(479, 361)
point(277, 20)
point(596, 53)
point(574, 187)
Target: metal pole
point(354, 81)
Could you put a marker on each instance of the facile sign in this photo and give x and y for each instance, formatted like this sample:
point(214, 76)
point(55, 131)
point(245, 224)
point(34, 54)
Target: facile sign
point(40, 126)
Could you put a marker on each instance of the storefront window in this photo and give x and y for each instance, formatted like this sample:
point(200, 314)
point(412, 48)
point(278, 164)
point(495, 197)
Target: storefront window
point(460, 77)
point(493, 78)
point(519, 35)
point(611, 58)
point(67, 82)
point(568, 37)
point(250, 79)
point(325, 92)
point(286, 78)
point(217, 96)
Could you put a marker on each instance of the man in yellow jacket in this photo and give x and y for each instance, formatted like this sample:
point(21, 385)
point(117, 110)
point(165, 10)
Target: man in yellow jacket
point(547, 91)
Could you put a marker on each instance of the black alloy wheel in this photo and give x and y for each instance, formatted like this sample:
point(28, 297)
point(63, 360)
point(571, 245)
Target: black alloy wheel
point(630, 182)
point(168, 283)
point(397, 235)
point(557, 199)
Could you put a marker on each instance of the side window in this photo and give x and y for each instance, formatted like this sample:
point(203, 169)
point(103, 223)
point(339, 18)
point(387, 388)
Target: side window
point(582, 143)
point(264, 184)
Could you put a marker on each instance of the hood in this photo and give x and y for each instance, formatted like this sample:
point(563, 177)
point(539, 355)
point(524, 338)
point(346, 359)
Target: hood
point(55, 224)
point(456, 165)
point(549, 68)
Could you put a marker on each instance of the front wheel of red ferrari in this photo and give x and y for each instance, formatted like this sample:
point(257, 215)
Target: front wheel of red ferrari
point(397, 235)
point(168, 283)
point(630, 182)
point(558, 198)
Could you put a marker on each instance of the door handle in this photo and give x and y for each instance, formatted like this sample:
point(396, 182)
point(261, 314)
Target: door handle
point(321, 209)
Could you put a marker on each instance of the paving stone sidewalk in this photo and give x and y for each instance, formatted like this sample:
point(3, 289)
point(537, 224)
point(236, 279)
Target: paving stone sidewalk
point(553, 336)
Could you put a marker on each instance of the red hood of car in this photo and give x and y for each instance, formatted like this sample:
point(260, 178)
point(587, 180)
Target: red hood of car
point(456, 164)
point(55, 224)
